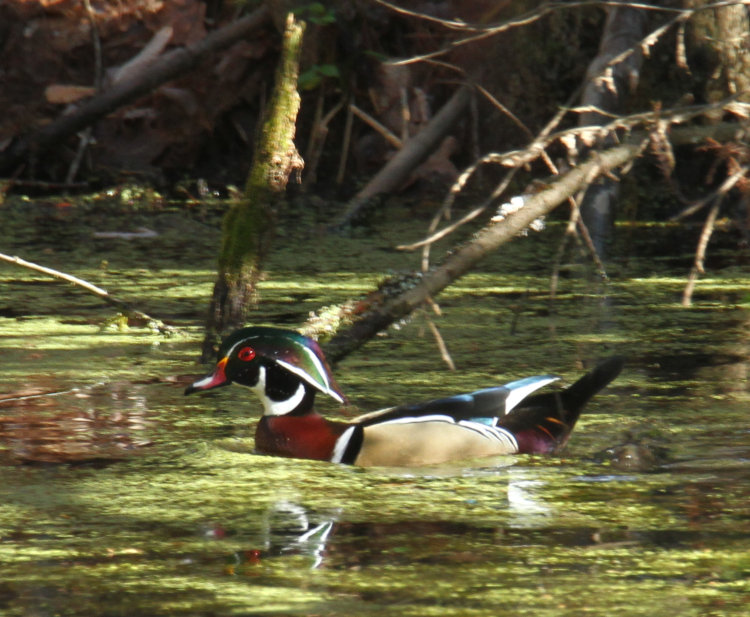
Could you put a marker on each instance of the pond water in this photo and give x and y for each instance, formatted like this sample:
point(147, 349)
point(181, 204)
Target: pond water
point(118, 496)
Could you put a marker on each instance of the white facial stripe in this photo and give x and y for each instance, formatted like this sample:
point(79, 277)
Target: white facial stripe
point(260, 387)
point(300, 372)
point(306, 376)
point(341, 444)
point(229, 353)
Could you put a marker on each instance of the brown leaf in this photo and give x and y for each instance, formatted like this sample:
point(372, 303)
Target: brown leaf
point(64, 94)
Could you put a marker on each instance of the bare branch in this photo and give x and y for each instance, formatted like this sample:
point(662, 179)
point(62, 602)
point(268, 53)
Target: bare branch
point(91, 288)
point(484, 242)
point(725, 187)
point(700, 252)
point(456, 24)
point(481, 32)
point(384, 131)
point(518, 158)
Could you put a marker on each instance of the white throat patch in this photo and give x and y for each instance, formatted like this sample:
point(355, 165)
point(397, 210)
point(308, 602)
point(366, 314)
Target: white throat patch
point(276, 408)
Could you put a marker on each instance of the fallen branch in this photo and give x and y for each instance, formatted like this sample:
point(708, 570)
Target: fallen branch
point(91, 288)
point(487, 240)
point(166, 67)
point(414, 151)
point(4, 398)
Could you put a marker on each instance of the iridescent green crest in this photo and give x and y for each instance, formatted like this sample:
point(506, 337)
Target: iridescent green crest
point(293, 351)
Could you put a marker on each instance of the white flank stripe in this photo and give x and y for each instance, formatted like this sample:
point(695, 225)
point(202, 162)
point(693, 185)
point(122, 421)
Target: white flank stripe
point(491, 432)
point(410, 420)
point(488, 432)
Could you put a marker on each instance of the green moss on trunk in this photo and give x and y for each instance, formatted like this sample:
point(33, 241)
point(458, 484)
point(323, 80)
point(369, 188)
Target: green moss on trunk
point(249, 224)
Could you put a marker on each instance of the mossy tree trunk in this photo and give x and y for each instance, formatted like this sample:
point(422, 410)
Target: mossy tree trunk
point(721, 37)
point(248, 226)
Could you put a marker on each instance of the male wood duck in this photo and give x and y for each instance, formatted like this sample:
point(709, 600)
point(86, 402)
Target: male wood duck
point(286, 370)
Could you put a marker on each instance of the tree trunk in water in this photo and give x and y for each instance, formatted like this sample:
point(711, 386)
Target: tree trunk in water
point(607, 83)
point(248, 226)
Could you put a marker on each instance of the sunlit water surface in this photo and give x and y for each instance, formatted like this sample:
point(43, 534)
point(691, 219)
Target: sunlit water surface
point(118, 496)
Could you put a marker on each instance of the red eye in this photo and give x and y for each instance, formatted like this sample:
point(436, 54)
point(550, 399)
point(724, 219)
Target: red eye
point(246, 354)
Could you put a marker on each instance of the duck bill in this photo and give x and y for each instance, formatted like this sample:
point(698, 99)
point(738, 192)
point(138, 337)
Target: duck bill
point(215, 380)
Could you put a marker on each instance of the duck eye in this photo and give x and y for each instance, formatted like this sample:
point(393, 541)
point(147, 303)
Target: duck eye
point(246, 354)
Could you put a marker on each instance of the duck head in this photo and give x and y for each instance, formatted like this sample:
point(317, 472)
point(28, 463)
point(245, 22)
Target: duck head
point(284, 368)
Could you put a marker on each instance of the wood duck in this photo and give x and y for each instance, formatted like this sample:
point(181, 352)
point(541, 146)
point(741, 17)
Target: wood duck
point(286, 370)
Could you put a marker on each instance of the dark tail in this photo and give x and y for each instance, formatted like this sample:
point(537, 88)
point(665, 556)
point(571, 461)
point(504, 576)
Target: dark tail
point(543, 422)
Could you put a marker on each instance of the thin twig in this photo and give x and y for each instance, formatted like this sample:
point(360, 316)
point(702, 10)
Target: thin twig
point(444, 353)
point(725, 187)
point(84, 137)
point(380, 128)
point(103, 294)
point(479, 34)
point(456, 24)
point(318, 135)
point(505, 111)
point(345, 145)
point(570, 232)
point(700, 252)
point(26, 397)
point(444, 231)
point(584, 231)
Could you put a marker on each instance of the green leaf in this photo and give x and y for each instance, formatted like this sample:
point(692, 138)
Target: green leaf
point(328, 70)
point(309, 79)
